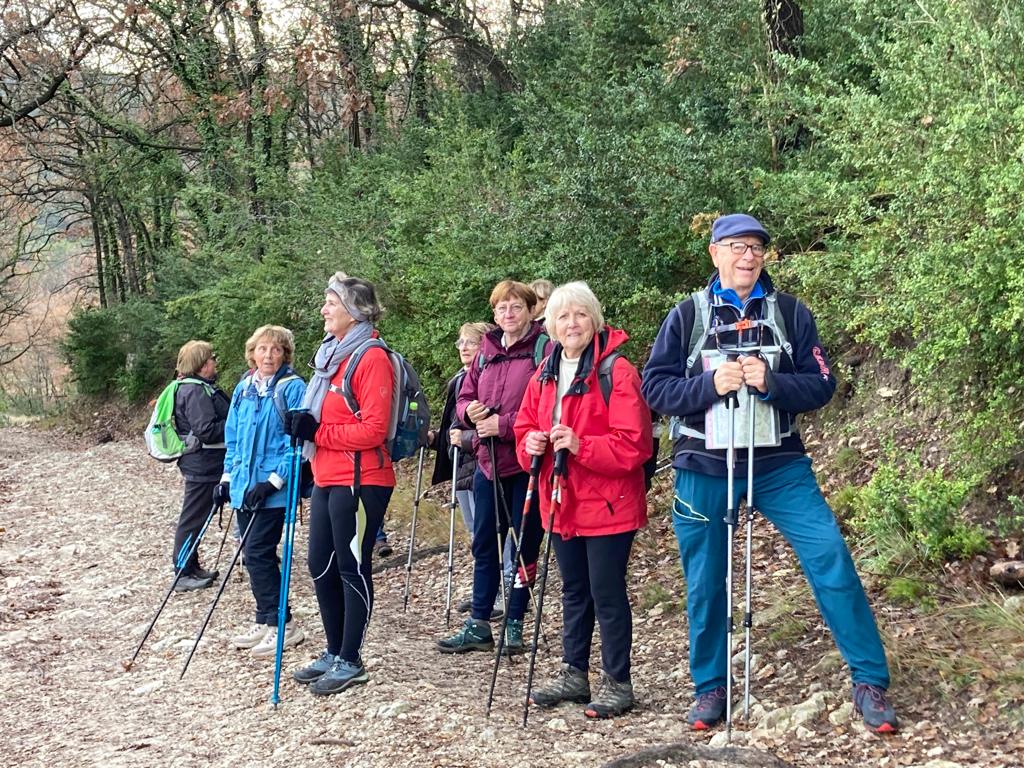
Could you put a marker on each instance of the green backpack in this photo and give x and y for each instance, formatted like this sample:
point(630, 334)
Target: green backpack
point(162, 439)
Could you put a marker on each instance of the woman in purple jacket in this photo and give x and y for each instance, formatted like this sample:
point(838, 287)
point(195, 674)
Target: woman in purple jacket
point(489, 401)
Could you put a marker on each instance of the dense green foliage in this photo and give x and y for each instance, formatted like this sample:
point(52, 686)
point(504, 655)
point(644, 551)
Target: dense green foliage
point(885, 156)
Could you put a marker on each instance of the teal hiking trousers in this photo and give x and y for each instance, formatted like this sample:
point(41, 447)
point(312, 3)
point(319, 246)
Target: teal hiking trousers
point(790, 498)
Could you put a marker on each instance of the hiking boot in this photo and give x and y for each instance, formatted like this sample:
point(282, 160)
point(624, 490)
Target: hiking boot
point(708, 709)
point(571, 684)
point(381, 548)
point(314, 670)
point(342, 674)
point(202, 573)
point(190, 583)
point(514, 637)
point(474, 636)
point(268, 645)
point(871, 704)
point(249, 638)
point(497, 613)
point(612, 698)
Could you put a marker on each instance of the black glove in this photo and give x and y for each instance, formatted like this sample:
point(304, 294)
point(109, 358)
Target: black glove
point(301, 425)
point(222, 493)
point(256, 495)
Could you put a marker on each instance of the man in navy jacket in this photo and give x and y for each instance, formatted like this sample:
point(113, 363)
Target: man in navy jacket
point(740, 306)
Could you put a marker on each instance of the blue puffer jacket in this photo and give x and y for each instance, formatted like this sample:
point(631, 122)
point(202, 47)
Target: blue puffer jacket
point(257, 447)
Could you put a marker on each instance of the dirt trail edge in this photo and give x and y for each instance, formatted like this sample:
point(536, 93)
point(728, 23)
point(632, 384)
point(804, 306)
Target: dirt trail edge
point(85, 536)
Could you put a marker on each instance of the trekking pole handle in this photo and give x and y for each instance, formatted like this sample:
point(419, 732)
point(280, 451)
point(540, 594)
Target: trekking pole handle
point(733, 397)
point(561, 457)
point(535, 463)
point(297, 441)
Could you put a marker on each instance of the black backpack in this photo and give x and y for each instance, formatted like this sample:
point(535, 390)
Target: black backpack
point(604, 380)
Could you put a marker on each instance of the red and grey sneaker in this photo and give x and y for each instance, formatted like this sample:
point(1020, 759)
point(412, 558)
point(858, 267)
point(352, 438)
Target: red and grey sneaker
point(871, 704)
point(708, 709)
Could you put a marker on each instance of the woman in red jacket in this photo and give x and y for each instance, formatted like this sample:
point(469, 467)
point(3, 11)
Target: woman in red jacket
point(603, 497)
point(353, 477)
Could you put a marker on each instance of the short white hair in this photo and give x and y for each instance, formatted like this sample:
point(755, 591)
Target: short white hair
point(577, 293)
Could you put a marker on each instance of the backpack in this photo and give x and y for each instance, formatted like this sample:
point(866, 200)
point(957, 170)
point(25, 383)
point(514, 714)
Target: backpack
point(278, 397)
point(162, 439)
point(774, 319)
point(409, 422)
point(538, 351)
point(604, 380)
point(306, 472)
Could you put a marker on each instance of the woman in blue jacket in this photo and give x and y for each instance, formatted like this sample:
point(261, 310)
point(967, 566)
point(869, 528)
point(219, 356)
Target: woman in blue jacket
point(256, 471)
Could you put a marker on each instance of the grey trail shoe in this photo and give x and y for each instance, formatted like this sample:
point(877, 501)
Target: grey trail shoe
point(570, 684)
point(613, 698)
point(342, 674)
point(190, 583)
point(474, 636)
point(316, 669)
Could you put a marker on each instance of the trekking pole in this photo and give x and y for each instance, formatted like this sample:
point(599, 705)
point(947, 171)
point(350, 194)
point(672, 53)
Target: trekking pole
point(286, 562)
point(493, 453)
point(732, 401)
point(451, 538)
point(556, 501)
point(748, 616)
point(184, 554)
point(517, 559)
point(216, 599)
point(530, 488)
point(412, 532)
point(224, 536)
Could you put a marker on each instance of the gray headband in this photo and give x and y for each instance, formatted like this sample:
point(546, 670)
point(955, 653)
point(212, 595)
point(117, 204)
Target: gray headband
point(341, 292)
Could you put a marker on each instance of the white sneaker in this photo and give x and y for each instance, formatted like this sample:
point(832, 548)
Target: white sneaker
point(250, 638)
point(268, 645)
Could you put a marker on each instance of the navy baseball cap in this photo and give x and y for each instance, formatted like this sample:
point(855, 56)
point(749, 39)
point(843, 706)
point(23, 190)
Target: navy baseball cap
point(735, 224)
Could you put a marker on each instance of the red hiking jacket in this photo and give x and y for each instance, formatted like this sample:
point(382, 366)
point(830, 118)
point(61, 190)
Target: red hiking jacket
point(603, 492)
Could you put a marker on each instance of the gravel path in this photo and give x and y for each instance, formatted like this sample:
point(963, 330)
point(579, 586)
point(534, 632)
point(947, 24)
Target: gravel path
point(84, 539)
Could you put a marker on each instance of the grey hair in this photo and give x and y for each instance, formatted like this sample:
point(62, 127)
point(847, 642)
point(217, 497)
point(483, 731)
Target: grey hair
point(578, 293)
point(357, 295)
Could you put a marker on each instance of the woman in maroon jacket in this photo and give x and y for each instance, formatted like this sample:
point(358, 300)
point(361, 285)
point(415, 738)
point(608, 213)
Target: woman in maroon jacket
point(488, 401)
point(603, 497)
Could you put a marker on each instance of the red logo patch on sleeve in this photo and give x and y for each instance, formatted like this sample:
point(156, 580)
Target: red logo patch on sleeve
point(822, 365)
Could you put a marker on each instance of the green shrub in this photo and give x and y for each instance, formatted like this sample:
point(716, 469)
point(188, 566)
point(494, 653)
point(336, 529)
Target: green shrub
point(94, 350)
point(914, 514)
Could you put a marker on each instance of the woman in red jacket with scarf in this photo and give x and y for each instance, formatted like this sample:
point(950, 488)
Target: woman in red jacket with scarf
point(353, 478)
point(603, 497)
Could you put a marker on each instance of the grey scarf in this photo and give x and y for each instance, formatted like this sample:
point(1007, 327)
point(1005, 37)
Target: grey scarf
point(326, 362)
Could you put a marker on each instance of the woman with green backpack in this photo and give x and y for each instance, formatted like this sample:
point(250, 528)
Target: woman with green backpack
point(200, 409)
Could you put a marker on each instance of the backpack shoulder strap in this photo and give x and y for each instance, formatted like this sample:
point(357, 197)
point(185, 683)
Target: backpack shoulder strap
point(345, 390)
point(278, 397)
point(604, 375)
point(192, 380)
point(701, 325)
point(538, 348)
point(776, 318)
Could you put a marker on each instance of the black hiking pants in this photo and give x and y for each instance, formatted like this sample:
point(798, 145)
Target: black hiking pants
point(593, 572)
point(262, 562)
point(195, 508)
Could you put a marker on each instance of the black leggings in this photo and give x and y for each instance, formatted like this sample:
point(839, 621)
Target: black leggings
point(594, 584)
point(344, 589)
